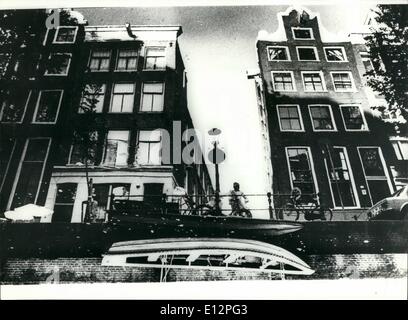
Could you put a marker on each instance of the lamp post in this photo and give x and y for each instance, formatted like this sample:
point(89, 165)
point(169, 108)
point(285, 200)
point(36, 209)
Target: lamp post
point(216, 156)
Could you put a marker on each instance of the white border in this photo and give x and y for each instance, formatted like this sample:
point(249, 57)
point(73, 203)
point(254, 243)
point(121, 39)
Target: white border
point(321, 77)
point(58, 74)
point(64, 42)
point(362, 115)
point(17, 177)
point(22, 116)
point(331, 115)
point(142, 93)
point(353, 183)
point(336, 47)
point(302, 129)
point(287, 53)
point(291, 75)
point(307, 47)
point(33, 121)
point(301, 28)
point(353, 84)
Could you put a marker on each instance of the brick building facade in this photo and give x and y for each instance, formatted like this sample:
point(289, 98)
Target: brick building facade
point(323, 136)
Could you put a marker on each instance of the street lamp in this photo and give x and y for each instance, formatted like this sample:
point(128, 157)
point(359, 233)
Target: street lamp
point(216, 156)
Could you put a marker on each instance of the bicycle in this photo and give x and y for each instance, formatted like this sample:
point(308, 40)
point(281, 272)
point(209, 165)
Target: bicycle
point(311, 211)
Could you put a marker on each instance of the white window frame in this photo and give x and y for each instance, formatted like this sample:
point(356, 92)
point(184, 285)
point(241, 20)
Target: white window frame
point(38, 104)
point(24, 112)
point(353, 84)
point(104, 85)
point(66, 27)
point(301, 28)
point(300, 117)
point(59, 74)
point(286, 49)
point(13, 189)
point(309, 153)
point(321, 77)
point(331, 115)
point(90, 58)
point(113, 94)
point(8, 164)
point(398, 141)
point(353, 183)
point(293, 80)
point(137, 144)
point(117, 60)
point(384, 164)
point(142, 96)
point(336, 47)
point(105, 148)
point(307, 47)
point(145, 57)
point(361, 112)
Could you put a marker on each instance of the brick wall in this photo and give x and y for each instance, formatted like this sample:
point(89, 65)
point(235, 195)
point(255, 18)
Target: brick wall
point(89, 270)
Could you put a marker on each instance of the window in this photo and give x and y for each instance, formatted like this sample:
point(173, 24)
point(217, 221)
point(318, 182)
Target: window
point(341, 179)
point(4, 61)
point(102, 196)
point(322, 118)
point(313, 81)
point(58, 64)
point(84, 148)
point(64, 202)
point(367, 62)
point(6, 152)
point(65, 35)
point(307, 54)
point(152, 97)
point(155, 58)
point(289, 118)
point(99, 60)
point(14, 106)
point(27, 64)
point(122, 97)
point(92, 99)
point(116, 148)
point(301, 174)
point(400, 148)
point(30, 172)
point(127, 60)
point(353, 118)
point(278, 54)
point(335, 54)
point(48, 105)
point(343, 81)
point(149, 148)
point(283, 81)
point(302, 33)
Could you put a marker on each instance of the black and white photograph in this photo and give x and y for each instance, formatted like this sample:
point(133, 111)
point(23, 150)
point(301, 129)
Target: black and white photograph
point(204, 144)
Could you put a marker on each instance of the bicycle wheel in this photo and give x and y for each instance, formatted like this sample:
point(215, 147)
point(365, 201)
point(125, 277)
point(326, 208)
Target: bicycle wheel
point(202, 210)
point(327, 215)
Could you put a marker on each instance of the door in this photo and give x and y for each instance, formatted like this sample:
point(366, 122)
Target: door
point(64, 202)
point(375, 173)
point(153, 193)
point(341, 178)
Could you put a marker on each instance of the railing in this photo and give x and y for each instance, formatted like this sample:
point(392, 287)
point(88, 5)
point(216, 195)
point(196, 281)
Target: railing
point(277, 206)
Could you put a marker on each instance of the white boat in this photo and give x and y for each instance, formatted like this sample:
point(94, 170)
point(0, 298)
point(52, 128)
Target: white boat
point(206, 253)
